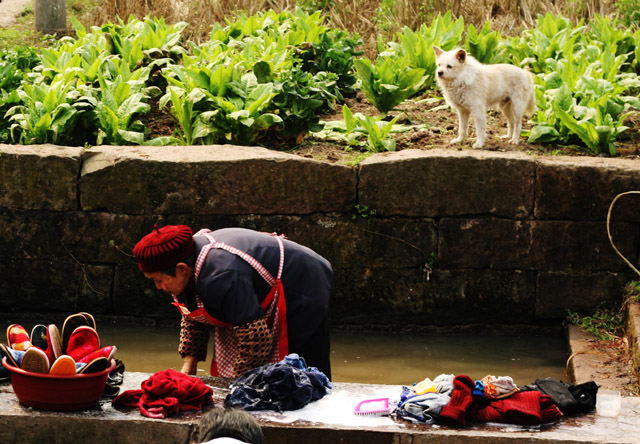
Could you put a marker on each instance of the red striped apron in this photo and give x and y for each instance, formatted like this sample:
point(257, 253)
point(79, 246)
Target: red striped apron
point(273, 306)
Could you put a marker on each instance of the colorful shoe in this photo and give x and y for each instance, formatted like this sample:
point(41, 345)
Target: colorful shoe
point(5, 374)
point(71, 323)
point(35, 360)
point(64, 365)
point(17, 337)
point(117, 375)
point(114, 379)
point(47, 339)
point(90, 319)
point(83, 341)
point(38, 338)
point(14, 357)
point(95, 366)
point(111, 391)
point(104, 352)
point(55, 341)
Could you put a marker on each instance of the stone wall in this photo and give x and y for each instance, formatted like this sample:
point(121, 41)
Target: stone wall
point(437, 237)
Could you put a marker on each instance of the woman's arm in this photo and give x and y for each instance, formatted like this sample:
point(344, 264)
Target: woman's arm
point(194, 339)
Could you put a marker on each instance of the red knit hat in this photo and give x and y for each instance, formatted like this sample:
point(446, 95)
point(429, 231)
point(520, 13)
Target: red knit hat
point(164, 247)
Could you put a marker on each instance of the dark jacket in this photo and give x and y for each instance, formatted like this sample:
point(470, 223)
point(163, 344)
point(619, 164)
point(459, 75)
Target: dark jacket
point(231, 290)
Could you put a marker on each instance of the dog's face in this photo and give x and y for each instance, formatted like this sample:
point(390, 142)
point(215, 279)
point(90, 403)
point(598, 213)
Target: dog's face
point(449, 64)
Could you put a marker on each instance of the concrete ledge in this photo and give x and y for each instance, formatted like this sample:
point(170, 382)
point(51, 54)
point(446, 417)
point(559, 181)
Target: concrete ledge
point(587, 363)
point(328, 420)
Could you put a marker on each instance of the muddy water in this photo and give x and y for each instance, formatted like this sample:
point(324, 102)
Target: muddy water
point(377, 358)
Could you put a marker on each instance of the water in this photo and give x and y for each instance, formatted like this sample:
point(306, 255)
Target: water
point(374, 357)
point(379, 358)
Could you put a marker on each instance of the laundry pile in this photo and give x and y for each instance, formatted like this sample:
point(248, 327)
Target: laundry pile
point(285, 385)
point(77, 350)
point(166, 393)
point(454, 400)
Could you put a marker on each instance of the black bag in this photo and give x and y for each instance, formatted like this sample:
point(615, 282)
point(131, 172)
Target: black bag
point(570, 398)
point(585, 395)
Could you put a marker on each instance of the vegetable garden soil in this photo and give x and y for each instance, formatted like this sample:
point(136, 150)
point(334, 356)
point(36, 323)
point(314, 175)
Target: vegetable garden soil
point(437, 126)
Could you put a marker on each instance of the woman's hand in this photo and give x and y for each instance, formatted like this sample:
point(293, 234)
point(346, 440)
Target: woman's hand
point(190, 366)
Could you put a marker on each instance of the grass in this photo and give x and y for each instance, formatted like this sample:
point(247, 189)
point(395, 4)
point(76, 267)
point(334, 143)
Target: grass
point(21, 33)
point(607, 323)
point(633, 291)
point(604, 324)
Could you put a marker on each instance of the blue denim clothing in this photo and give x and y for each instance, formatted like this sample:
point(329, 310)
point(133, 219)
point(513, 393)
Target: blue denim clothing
point(286, 385)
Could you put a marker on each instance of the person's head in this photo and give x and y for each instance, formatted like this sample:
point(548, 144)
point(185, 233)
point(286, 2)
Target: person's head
point(165, 256)
point(228, 423)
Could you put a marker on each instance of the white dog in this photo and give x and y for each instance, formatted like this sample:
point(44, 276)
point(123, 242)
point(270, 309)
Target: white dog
point(471, 87)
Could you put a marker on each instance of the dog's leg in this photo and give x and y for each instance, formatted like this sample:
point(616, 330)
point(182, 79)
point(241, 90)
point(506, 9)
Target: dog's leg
point(480, 118)
point(507, 112)
point(509, 134)
point(515, 116)
point(517, 127)
point(463, 126)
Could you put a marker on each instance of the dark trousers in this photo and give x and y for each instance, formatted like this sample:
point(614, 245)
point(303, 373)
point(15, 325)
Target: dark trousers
point(316, 350)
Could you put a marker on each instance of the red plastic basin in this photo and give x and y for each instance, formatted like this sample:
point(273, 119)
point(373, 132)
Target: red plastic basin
point(58, 392)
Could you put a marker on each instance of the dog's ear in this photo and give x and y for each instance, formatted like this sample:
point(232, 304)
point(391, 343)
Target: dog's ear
point(437, 50)
point(461, 55)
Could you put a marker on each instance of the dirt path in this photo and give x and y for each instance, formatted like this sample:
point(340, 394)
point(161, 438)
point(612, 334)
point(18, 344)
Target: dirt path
point(9, 10)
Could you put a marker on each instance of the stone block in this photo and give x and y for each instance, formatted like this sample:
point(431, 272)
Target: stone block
point(55, 287)
point(583, 293)
point(135, 295)
point(325, 434)
point(81, 236)
point(583, 188)
point(212, 180)
point(534, 244)
point(581, 246)
point(343, 240)
point(394, 296)
point(92, 426)
point(485, 243)
point(439, 183)
point(50, 16)
point(39, 177)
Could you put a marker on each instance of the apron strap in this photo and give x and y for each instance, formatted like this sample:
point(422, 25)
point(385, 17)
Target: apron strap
point(247, 258)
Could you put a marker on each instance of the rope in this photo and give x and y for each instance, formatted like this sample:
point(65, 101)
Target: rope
point(609, 231)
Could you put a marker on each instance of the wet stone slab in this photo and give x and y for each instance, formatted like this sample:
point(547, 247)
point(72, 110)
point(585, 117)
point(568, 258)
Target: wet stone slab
point(328, 420)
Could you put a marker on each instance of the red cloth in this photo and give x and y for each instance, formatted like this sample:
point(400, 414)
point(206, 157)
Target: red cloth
point(549, 411)
point(166, 393)
point(523, 408)
point(455, 411)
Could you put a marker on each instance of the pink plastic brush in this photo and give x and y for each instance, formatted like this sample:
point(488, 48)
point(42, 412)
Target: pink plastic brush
point(373, 407)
